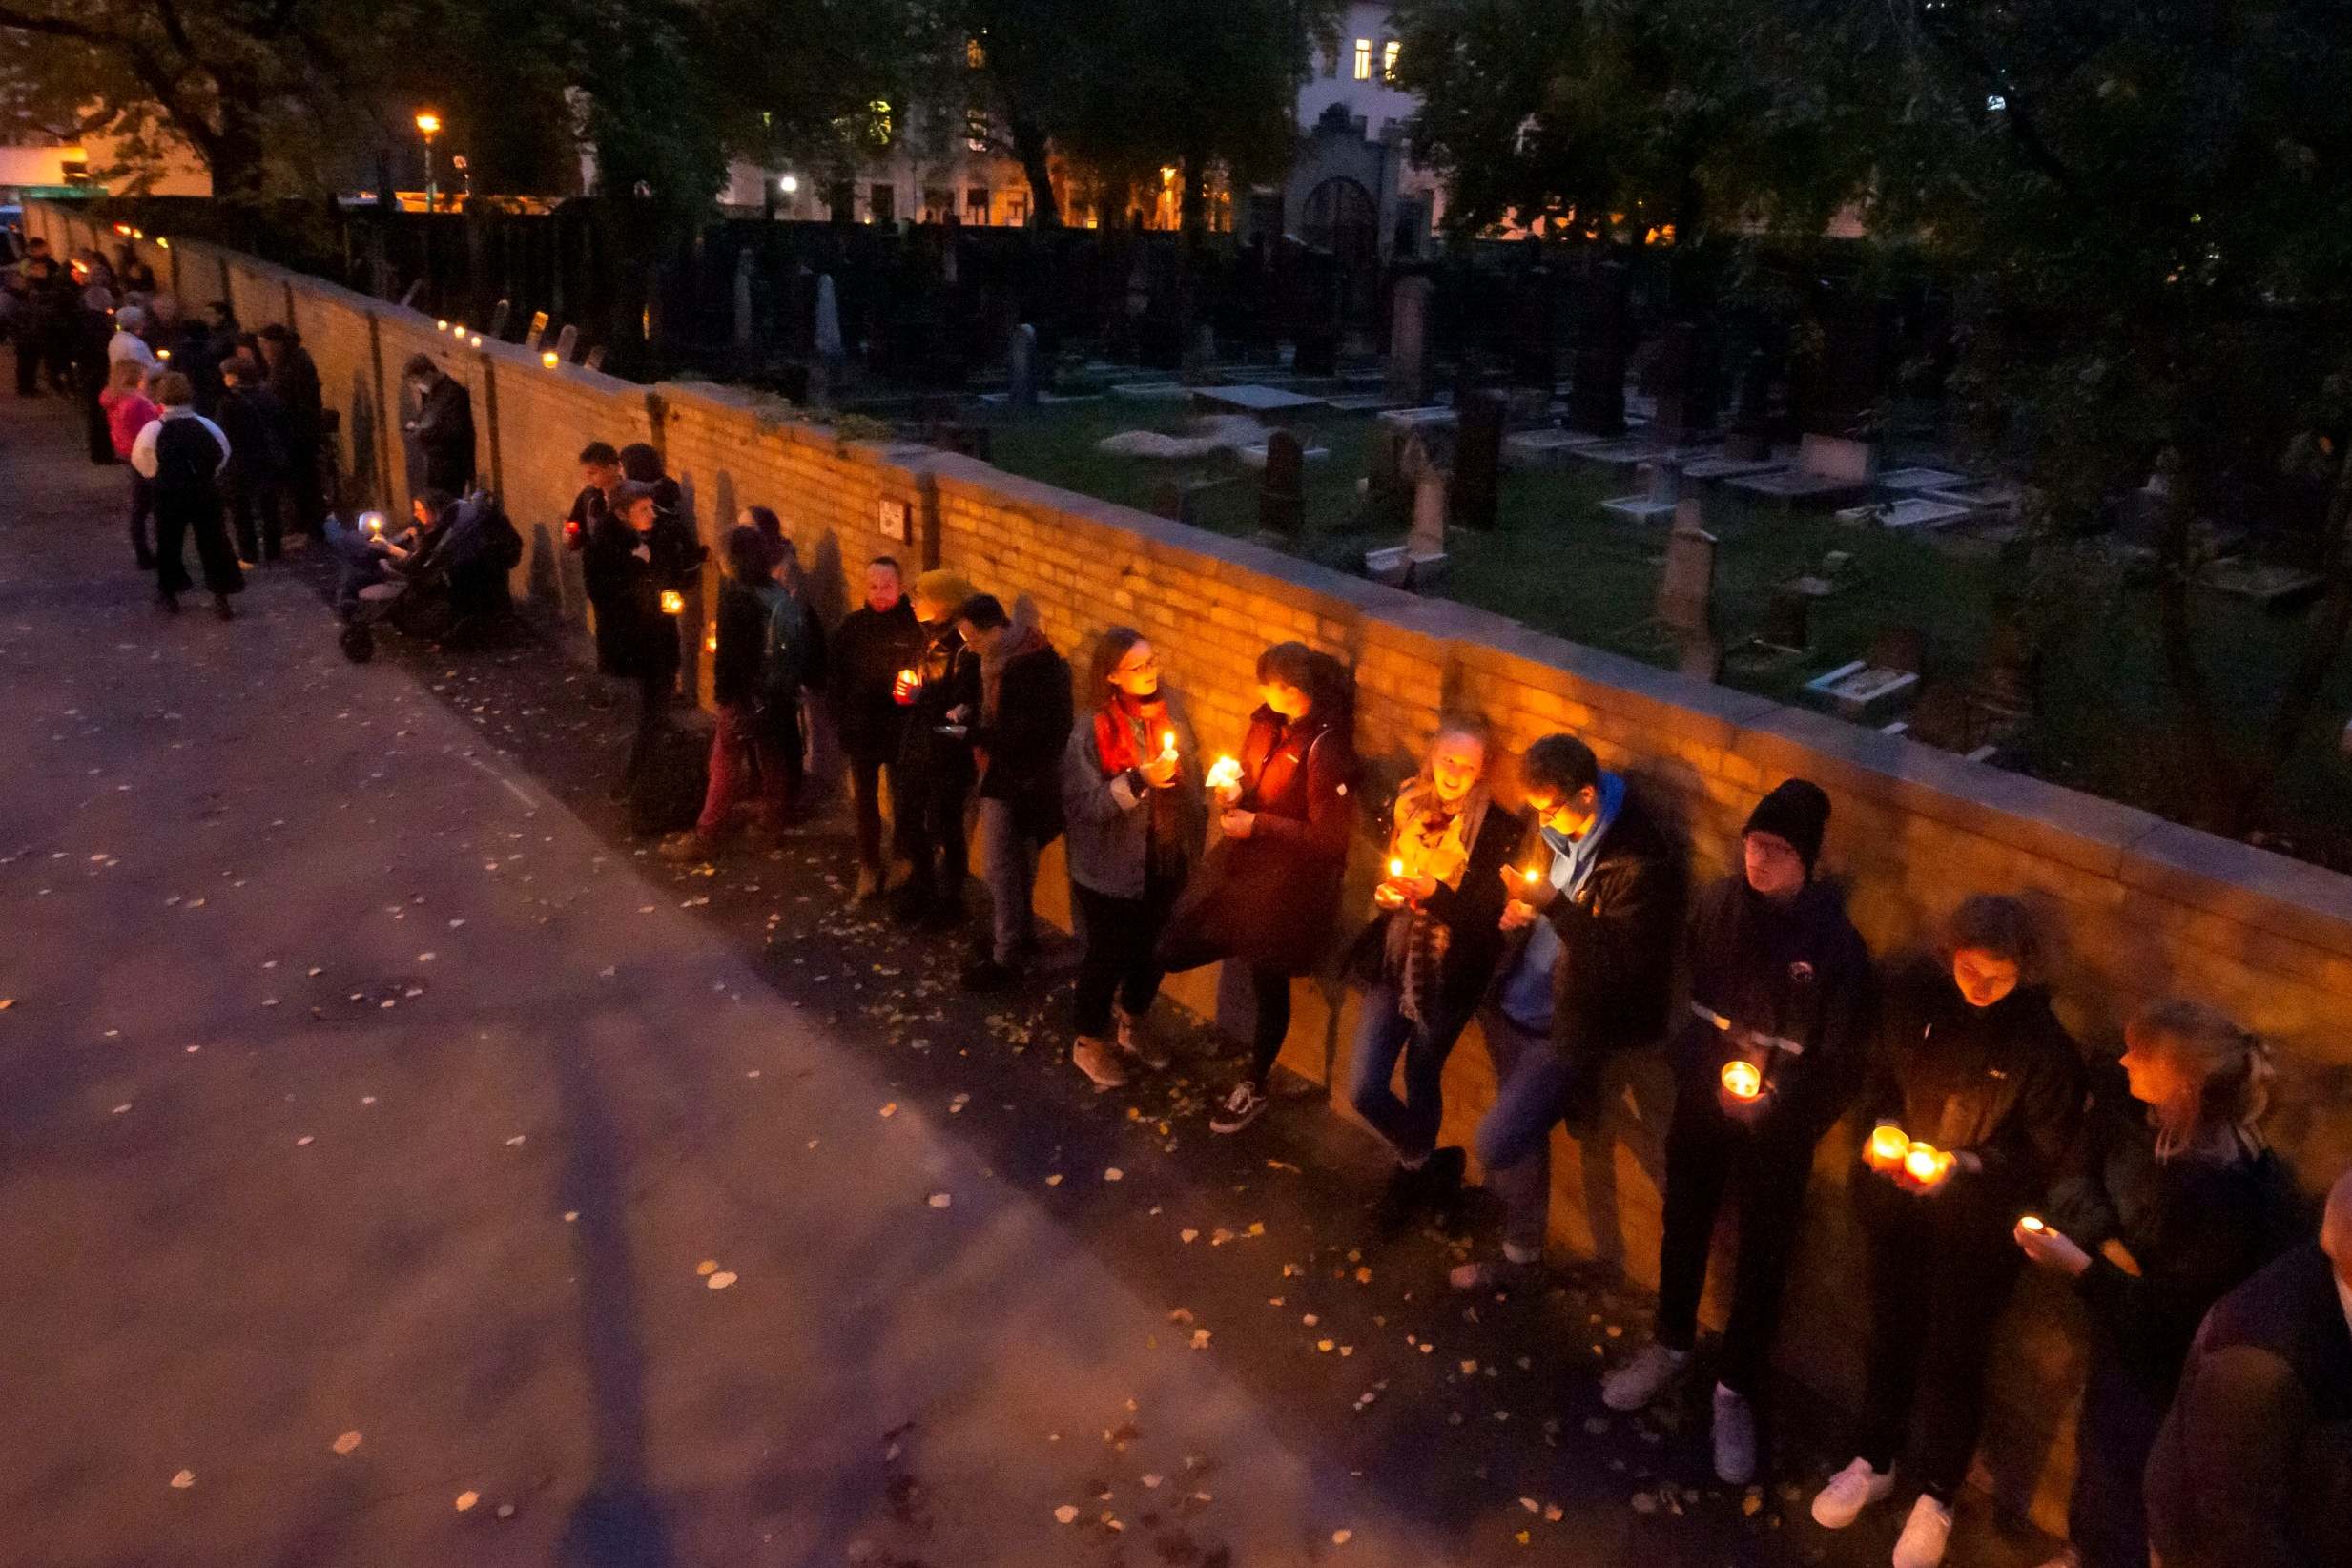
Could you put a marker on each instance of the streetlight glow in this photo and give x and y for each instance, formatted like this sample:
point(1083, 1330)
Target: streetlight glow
point(788, 183)
point(428, 122)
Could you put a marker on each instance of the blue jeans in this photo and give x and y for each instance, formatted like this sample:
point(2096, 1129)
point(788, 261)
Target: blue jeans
point(361, 564)
point(1382, 1034)
point(1514, 1140)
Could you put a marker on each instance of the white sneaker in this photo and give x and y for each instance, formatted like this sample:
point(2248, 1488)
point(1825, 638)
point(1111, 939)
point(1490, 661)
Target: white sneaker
point(1925, 1535)
point(1643, 1378)
point(1849, 1492)
point(1735, 1438)
point(1241, 1108)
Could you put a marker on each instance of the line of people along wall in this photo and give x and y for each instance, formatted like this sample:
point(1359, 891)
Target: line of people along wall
point(2216, 1417)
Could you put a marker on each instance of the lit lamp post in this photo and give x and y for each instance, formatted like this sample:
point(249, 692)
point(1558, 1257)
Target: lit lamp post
point(428, 126)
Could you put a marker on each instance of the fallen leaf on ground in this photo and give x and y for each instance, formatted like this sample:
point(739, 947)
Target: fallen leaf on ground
point(348, 1441)
point(466, 1500)
point(707, 1268)
point(941, 1199)
point(722, 1279)
point(185, 1479)
point(1066, 1514)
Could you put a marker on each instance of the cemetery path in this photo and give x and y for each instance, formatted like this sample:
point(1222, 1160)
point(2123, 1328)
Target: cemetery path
point(398, 1168)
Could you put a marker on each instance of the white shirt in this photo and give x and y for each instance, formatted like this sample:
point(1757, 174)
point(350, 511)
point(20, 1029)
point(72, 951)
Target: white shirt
point(143, 450)
point(130, 345)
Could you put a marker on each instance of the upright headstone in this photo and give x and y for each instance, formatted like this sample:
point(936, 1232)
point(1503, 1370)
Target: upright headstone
point(743, 298)
point(1282, 496)
point(595, 359)
point(568, 344)
point(1597, 402)
point(1428, 537)
point(1687, 593)
point(1749, 439)
point(1200, 357)
point(1020, 357)
point(537, 337)
point(1408, 380)
point(498, 319)
point(1388, 486)
point(826, 340)
point(1534, 331)
point(1176, 500)
point(1684, 384)
point(1478, 458)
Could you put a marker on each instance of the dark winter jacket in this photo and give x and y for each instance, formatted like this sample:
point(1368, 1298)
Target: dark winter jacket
point(1470, 910)
point(588, 510)
point(294, 380)
point(949, 676)
point(1270, 901)
point(633, 637)
point(1024, 747)
point(2002, 1083)
point(863, 663)
point(2197, 1225)
point(1796, 973)
point(1613, 979)
point(445, 435)
point(2252, 1468)
point(737, 670)
point(255, 424)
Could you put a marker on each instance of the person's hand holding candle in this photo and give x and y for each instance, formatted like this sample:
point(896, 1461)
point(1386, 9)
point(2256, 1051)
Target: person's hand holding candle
point(1528, 886)
point(1238, 824)
point(902, 691)
point(1926, 1168)
point(2050, 1248)
point(1224, 779)
point(1882, 1152)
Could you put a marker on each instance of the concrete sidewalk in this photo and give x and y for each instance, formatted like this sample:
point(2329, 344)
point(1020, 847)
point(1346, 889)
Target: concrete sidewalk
point(395, 1169)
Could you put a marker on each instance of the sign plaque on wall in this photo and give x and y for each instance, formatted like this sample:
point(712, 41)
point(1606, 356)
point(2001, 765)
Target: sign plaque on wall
point(893, 519)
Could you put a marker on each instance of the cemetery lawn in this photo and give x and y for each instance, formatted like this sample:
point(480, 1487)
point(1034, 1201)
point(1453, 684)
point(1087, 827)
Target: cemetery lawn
point(1558, 562)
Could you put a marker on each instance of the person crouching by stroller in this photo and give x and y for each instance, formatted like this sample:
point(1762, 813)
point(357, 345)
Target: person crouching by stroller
point(184, 453)
point(756, 681)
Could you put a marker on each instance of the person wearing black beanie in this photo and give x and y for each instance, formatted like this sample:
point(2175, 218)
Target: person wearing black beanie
point(1781, 1002)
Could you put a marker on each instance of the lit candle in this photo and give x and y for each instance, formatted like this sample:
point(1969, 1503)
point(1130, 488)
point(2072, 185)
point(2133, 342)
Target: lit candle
point(164, 354)
point(373, 522)
point(2032, 1223)
point(674, 603)
point(1167, 744)
point(1396, 868)
point(477, 340)
point(549, 359)
point(441, 326)
point(1532, 876)
point(1742, 1081)
point(1226, 772)
point(709, 643)
point(1891, 1143)
point(1924, 1161)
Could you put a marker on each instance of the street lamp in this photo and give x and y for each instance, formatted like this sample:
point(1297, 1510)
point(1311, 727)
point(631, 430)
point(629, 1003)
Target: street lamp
point(428, 125)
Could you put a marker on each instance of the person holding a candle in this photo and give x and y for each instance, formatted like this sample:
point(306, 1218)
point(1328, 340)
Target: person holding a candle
point(1268, 892)
point(600, 476)
point(935, 766)
point(1590, 974)
point(1131, 792)
point(753, 670)
point(872, 646)
point(1018, 732)
point(2172, 1200)
point(1429, 954)
point(1973, 1064)
point(642, 644)
point(1781, 1008)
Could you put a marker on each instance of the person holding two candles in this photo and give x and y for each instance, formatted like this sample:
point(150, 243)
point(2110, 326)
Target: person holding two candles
point(1131, 794)
point(2174, 1201)
point(1017, 735)
point(1268, 892)
point(1429, 954)
point(874, 644)
point(1592, 975)
point(1975, 1091)
point(935, 767)
point(1781, 1007)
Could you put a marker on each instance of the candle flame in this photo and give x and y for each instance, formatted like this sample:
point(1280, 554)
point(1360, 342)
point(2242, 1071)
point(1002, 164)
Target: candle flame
point(1396, 868)
point(674, 603)
point(549, 359)
point(2031, 1222)
point(1743, 1080)
point(1889, 1143)
point(1923, 1162)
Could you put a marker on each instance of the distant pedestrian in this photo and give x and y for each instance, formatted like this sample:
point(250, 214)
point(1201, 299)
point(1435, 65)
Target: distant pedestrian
point(1984, 1087)
point(1267, 894)
point(756, 684)
point(2174, 1200)
point(293, 381)
point(184, 453)
point(93, 327)
point(1428, 955)
point(1017, 732)
point(129, 410)
point(1781, 1000)
point(868, 651)
point(2253, 1467)
point(444, 429)
point(1589, 977)
point(249, 414)
point(934, 781)
point(1131, 796)
point(128, 342)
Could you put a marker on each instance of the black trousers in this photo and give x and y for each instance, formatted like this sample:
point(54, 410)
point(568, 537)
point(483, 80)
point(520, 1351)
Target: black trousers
point(254, 510)
point(866, 805)
point(931, 834)
point(2122, 1411)
point(1941, 1269)
point(301, 488)
point(142, 518)
point(654, 687)
point(202, 517)
point(1123, 936)
point(1269, 991)
point(28, 362)
point(1764, 1171)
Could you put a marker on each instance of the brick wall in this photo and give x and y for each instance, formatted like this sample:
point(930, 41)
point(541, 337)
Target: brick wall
point(2142, 906)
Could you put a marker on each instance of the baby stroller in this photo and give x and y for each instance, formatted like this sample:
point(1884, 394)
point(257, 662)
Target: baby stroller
point(450, 586)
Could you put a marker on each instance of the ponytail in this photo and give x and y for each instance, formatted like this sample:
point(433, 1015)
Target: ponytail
point(2230, 1070)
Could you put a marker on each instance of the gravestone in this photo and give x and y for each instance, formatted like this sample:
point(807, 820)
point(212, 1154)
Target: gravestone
point(1282, 493)
point(743, 298)
point(498, 319)
point(1429, 513)
point(595, 359)
point(1788, 618)
point(1202, 356)
point(1318, 350)
point(568, 342)
point(1535, 332)
point(1172, 499)
point(1408, 374)
point(1387, 487)
point(1686, 594)
point(1478, 458)
point(1021, 353)
point(537, 337)
point(827, 342)
point(1749, 439)
point(1597, 402)
point(1682, 383)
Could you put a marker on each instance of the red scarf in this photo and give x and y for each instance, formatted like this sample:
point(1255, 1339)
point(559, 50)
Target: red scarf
point(1120, 723)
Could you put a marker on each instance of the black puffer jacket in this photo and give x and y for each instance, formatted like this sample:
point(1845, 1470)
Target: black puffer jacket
point(951, 679)
point(867, 653)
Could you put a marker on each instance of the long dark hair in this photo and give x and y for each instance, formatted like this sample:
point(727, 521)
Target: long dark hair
point(1113, 646)
point(1325, 680)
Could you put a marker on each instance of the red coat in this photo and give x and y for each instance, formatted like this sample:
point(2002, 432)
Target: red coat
point(127, 414)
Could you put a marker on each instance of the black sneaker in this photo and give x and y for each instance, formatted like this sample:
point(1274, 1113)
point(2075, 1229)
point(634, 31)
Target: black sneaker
point(1441, 1179)
point(988, 974)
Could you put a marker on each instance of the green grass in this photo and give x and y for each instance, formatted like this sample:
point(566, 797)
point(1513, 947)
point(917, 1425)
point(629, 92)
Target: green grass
point(1558, 562)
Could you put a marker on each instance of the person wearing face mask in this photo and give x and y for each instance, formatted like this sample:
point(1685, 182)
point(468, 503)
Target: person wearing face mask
point(874, 643)
point(1984, 1087)
point(1590, 976)
point(444, 429)
point(934, 764)
point(1772, 1050)
point(1428, 954)
point(1131, 797)
point(2172, 1200)
point(1268, 892)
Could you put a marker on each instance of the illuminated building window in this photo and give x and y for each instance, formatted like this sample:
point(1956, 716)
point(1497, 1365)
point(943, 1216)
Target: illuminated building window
point(1363, 59)
point(1388, 61)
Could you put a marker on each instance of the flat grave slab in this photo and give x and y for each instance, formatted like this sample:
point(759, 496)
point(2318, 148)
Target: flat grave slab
point(1642, 508)
point(2264, 582)
point(1422, 415)
point(1986, 495)
point(1152, 391)
point(1910, 512)
point(1860, 687)
point(1633, 451)
point(1545, 448)
point(1905, 479)
point(1255, 456)
point(1366, 402)
point(1255, 399)
point(1707, 469)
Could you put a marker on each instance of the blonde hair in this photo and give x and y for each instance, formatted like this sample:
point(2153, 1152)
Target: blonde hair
point(126, 376)
point(2228, 1070)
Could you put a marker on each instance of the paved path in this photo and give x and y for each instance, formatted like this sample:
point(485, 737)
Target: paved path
point(395, 1168)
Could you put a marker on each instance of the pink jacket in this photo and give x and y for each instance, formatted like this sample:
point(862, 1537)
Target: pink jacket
point(127, 414)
